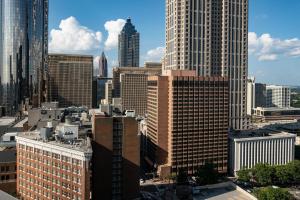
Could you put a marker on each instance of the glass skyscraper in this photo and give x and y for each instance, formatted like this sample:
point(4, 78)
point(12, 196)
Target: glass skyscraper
point(23, 52)
point(129, 46)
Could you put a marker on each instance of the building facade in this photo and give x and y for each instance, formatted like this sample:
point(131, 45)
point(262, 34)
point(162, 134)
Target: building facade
point(52, 169)
point(129, 46)
point(108, 92)
point(278, 96)
point(153, 70)
point(250, 95)
point(116, 157)
point(211, 37)
point(101, 89)
point(103, 67)
point(23, 52)
point(70, 80)
point(8, 169)
point(250, 148)
point(187, 123)
point(134, 93)
point(260, 95)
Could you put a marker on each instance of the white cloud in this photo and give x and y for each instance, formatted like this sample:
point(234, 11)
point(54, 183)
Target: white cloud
point(267, 48)
point(73, 37)
point(113, 28)
point(155, 54)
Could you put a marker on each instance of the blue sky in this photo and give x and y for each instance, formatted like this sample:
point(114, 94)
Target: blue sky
point(274, 47)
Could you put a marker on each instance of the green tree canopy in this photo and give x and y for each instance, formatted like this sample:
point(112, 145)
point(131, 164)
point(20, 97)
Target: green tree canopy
point(263, 174)
point(207, 174)
point(244, 175)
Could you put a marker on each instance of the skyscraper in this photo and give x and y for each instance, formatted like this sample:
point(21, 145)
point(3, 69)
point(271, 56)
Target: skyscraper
point(70, 79)
point(211, 37)
point(23, 51)
point(103, 66)
point(187, 121)
point(129, 46)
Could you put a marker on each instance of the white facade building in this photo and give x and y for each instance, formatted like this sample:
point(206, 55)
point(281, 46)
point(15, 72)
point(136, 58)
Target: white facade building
point(278, 96)
point(250, 95)
point(263, 146)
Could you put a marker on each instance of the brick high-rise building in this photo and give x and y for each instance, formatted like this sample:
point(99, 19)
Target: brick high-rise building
point(116, 157)
point(70, 79)
point(211, 37)
point(187, 123)
point(52, 169)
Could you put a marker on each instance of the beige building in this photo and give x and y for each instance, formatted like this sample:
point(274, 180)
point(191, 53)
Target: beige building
point(151, 69)
point(70, 80)
point(211, 37)
point(134, 93)
point(187, 123)
point(108, 92)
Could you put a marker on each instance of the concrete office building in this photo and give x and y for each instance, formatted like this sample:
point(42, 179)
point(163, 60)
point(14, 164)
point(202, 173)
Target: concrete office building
point(275, 113)
point(100, 90)
point(103, 67)
point(260, 146)
point(250, 96)
point(23, 52)
point(49, 169)
point(116, 157)
point(260, 95)
point(149, 70)
point(134, 93)
point(108, 92)
point(211, 37)
point(187, 123)
point(129, 46)
point(278, 96)
point(70, 80)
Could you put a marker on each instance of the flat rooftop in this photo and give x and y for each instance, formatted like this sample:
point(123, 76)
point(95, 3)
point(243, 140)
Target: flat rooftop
point(259, 133)
point(6, 121)
point(277, 109)
point(76, 144)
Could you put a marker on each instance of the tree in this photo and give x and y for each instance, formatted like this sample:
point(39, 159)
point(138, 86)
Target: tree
point(270, 193)
point(207, 174)
point(182, 177)
point(244, 175)
point(283, 175)
point(263, 174)
point(294, 169)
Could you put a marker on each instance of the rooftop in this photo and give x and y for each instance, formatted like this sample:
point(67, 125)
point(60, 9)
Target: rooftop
point(80, 145)
point(6, 121)
point(260, 133)
point(277, 109)
point(5, 196)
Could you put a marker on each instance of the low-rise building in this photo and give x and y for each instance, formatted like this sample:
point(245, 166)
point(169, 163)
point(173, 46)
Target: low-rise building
point(249, 148)
point(276, 113)
point(49, 168)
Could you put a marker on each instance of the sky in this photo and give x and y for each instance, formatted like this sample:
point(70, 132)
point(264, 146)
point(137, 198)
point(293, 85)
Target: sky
point(92, 26)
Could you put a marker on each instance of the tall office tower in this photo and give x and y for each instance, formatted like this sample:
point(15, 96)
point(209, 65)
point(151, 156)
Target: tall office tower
point(108, 92)
point(103, 66)
point(250, 95)
point(149, 70)
point(260, 95)
point(23, 52)
point(50, 169)
point(211, 37)
point(70, 79)
point(134, 93)
point(129, 46)
point(278, 96)
point(101, 89)
point(187, 123)
point(116, 157)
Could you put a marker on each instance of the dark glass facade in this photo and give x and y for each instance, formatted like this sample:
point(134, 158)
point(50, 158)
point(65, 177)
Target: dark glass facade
point(23, 51)
point(129, 46)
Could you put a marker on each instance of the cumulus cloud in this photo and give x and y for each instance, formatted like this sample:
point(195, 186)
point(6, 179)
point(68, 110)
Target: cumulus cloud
point(267, 48)
point(113, 28)
point(155, 54)
point(72, 37)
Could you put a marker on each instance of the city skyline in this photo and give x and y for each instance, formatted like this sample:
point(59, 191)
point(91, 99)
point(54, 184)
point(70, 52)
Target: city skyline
point(268, 43)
